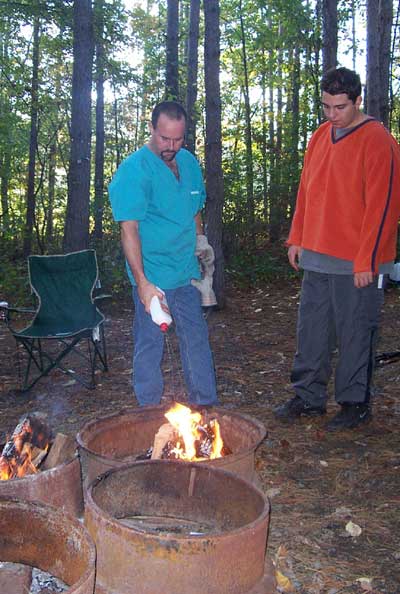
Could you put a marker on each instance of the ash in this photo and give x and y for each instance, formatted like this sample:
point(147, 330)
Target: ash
point(45, 583)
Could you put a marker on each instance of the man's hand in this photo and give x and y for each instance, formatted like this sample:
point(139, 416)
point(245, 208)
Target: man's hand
point(294, 252)
point(146, 292)
point(363, 279)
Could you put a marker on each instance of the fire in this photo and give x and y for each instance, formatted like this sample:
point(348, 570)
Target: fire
point(200, 440)
point(16, 457)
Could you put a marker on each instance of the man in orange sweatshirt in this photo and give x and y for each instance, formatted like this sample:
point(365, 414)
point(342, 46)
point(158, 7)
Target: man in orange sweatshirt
point(343, 235)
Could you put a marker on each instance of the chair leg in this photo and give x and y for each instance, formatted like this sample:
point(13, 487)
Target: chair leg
point(37, 356)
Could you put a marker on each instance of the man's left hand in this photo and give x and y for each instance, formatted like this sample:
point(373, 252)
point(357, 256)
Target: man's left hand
point(363, 279)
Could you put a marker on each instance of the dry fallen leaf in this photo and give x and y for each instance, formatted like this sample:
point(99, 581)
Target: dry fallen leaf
point(365, 583)
point(283, 582)
point(353, 529)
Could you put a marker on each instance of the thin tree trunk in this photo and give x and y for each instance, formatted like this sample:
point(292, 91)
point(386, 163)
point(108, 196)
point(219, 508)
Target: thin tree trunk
point(386, 22)
point(213, 149)
point(192, 68)
point(248, 136)
point(99, 154)
point(372, 95)
point(51, 192)
point(294, 150)
point(116, 130)
point(172, 65)
point(276, 196)
point(330, 34)
point(76, 233)
point(30, 194)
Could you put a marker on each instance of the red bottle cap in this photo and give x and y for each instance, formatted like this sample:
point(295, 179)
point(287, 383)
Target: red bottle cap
point(164, 327)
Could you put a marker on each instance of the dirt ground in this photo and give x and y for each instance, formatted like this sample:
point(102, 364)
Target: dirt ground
point(318, 483)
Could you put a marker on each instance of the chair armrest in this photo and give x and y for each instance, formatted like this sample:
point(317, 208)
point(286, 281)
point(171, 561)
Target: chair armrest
point(6, 309)
point(102, 296)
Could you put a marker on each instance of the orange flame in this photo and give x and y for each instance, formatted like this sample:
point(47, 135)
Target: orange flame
point(188, 425)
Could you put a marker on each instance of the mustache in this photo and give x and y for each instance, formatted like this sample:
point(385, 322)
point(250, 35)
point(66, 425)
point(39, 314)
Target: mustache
point(168, 155)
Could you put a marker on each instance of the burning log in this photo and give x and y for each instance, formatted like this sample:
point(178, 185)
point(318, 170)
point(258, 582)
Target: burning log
point(31, 444)
point(16, 458)
point(164, 435)
point(188, 436)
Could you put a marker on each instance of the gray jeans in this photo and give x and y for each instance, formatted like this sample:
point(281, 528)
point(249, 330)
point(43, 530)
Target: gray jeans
point(333, 313)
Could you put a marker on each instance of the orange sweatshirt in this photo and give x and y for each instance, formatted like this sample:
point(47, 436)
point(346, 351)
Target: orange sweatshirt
point(348, 203)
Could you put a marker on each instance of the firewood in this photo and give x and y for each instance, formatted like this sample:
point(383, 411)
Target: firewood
point(38, 455)
point(165, 433)
point(62, 450)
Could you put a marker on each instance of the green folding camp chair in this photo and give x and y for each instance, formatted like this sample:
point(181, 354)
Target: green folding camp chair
point(66, 315)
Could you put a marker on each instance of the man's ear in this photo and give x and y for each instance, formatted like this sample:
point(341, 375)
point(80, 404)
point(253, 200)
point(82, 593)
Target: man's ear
point(358, 101)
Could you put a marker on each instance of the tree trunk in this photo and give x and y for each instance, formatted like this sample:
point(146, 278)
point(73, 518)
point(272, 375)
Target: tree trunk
point(386, 22)
point(172, 66)
point(295, 129)
point(99, 154)
point(248, 137)
point(30, 194)
point(379, 27)
point(192, 68)
point(213, 148)
point(76, 233)
point(329, 34)
point(276, 194)
point(51, 192)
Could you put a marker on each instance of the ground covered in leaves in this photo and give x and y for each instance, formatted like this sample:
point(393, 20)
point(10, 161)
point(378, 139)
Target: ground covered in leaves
point(318, 483)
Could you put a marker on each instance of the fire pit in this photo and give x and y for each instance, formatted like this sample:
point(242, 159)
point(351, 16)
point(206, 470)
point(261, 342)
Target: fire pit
point(56, 481)
point(60, 487)
point(120, 439)
point(164, 526)
point(43, 537)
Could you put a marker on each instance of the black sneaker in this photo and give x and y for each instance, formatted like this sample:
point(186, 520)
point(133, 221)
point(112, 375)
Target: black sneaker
point(349, 417)
point(295, 408)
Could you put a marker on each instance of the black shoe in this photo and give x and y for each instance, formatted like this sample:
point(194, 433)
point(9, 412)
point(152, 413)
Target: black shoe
point(350, 416)
point(295, 408)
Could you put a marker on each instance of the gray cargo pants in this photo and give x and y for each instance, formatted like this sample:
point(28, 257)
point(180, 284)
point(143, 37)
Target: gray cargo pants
point(333, 313)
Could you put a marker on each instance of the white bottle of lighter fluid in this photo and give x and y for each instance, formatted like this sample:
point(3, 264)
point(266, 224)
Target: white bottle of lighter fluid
point(158, 315)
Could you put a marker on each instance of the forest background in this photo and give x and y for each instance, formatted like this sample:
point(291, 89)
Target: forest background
point(78, 80)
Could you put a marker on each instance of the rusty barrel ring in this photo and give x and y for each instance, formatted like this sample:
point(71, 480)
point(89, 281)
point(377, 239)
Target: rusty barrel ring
point(231, 559)
point(47, 538)
point(95, 462)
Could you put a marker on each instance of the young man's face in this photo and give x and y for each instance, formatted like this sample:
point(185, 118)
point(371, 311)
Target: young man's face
point(167, 137)
point(340, 110)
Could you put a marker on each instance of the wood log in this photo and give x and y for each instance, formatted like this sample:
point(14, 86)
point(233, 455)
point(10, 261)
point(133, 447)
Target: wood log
point(165, 433)
point(62, 450)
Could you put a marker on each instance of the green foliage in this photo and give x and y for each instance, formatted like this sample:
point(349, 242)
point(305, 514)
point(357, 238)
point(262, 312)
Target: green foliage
point(250, 269)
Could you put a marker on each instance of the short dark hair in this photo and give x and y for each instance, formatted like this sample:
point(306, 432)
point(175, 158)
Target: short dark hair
point(172, 109)
point(342, 80)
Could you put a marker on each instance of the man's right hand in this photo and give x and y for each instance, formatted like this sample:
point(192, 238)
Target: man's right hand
point(147, 291)
point(294, 252)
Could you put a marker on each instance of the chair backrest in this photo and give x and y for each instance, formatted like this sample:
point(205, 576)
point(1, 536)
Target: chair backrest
point(64, 286)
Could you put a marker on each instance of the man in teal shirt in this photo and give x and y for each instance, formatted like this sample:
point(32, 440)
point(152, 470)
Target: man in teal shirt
point(156, 195)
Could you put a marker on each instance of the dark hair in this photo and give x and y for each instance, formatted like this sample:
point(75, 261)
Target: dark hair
point(342, 80)
point(172, 109)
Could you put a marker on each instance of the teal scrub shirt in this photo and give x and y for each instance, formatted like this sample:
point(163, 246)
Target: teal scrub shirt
point(144, 189)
